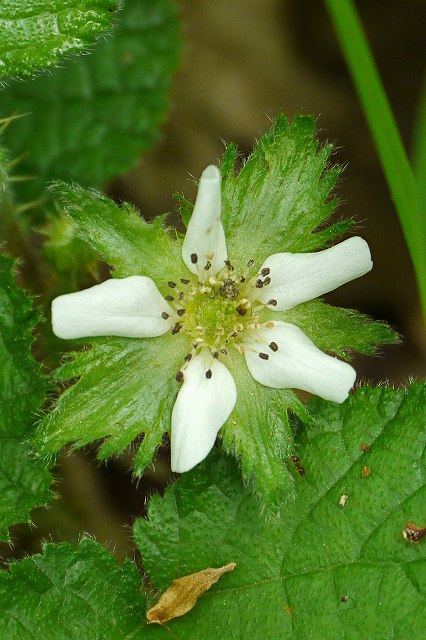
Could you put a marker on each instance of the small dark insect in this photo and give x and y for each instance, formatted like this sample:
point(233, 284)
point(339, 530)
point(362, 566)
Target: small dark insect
point(297, 464)
point(229, 290)
point(344, 598)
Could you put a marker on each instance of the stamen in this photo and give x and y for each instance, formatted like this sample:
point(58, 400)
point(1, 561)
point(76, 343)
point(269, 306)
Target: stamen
point(209, 374)
point(215, 354)
point(165, 315)
point(184, 281)
point(269, 324)
point(242, 279)
point(181, 312)
point(176, 328)
point(169, 298)
point(272, 302)
point(266, 281)
point(188, 357)
point(181, 295)
point(179, 376)
point(259, 283)
point(194, 258)
point(264, 356)
point(241, 310)
point(273, 346)
point(224, 352)
point(229, 265)
point(172, 284)
point(265, 272)
point(208, 265)
point(250, 263)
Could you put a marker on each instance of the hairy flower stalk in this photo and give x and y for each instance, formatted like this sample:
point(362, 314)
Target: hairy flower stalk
point(220, 308)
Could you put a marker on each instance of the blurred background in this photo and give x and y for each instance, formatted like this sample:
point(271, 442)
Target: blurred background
point(242, 63)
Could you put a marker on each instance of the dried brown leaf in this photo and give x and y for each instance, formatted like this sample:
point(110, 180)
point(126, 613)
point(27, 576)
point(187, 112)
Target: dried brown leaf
point(184, 592)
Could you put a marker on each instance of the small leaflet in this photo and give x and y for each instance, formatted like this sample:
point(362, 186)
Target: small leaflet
point(183, 593)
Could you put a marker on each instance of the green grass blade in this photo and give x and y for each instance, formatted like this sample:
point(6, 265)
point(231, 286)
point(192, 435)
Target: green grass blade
point(393, 157)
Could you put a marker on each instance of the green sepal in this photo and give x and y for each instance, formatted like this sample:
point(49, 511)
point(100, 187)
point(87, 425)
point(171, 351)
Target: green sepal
point(281, 195)
point(120, 235)
point(341, 332)
point(124, 387)
point(36, 34)
point(259, 434)
point(334, 562)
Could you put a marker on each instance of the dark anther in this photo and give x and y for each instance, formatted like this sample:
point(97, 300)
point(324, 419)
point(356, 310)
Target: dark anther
point(165, 315)
point(241, 310)
point(172, 284)
point(265, 272)
point(181, 312)
point(266, 281)
point(242, 279)
point(272, 302)
point(181, 295)
point(229, 265)
point(169, 298)
point(224, 352)
point(194, 258)
point(215, 354)
point(272, 346)
point(176, 328)
point(250, 263)
point(207, 265)
point(184, 281)
point(264, 356)
point(209, 374)
point(179, 376)
point(234, 334)
point(188, 357)
point(259, 283)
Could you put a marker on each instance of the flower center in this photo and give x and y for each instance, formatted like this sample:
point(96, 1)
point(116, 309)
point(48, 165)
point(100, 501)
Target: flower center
point(216, 313)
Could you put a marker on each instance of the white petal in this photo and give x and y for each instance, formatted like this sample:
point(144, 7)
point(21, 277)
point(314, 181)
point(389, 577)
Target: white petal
point(298, 277)
point(297, 363)
point(205, 239)
point(129, 307)
point(202, 406)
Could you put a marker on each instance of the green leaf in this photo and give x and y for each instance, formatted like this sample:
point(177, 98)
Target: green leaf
point(37, 33)
point(319, 570)
point(70, 593)
point(24, 482)
point(281, 195)
point(91, 120)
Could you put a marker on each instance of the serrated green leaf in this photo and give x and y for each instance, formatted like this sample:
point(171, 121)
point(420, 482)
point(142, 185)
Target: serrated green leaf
point(24, 482)
point(72, 593)
point(37, 33)
point(325, 568)
point(94, 118)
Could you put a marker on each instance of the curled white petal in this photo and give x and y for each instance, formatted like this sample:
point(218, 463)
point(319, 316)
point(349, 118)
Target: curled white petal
point(204, 244)
point(298, 277)
point(129, 307)
point(289, 360)
point(204, 402)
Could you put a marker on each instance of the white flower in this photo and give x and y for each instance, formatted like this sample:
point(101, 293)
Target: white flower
point(219, 309)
